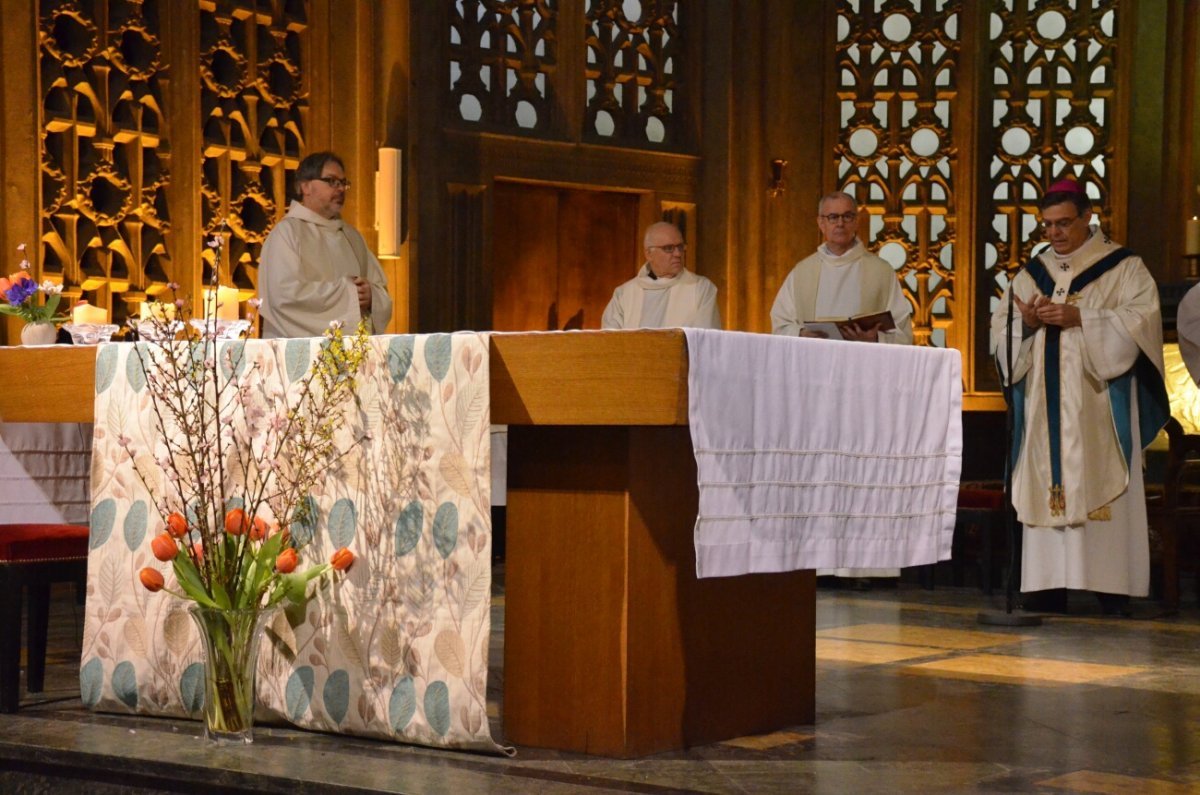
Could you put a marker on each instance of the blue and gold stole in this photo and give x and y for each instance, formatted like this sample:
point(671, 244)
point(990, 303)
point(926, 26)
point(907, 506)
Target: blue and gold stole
point(1153, 404)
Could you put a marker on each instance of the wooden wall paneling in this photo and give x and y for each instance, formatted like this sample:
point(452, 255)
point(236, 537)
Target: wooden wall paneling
point(525, 258)
point(19, 145)
point(599, 248)
point(181, 37)
point(392, 125)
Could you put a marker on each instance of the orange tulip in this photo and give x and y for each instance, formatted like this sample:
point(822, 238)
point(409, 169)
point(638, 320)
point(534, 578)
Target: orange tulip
point(342, 560)
point(287, 561)
point(236, 522)
point(152, 579)
point(197, 551)
point(258, 531)
point(163, 547)
point(4, 285)
point(177, 525)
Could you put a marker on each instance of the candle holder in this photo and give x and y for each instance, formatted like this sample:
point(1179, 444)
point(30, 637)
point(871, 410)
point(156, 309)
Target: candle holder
point(220, 328)
point(150, 330)
point(90, 333)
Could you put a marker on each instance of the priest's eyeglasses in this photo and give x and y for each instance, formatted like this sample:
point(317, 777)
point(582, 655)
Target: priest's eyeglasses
point(671, 248)
point(336, 183)
point(846, 218)
point(1062, 224)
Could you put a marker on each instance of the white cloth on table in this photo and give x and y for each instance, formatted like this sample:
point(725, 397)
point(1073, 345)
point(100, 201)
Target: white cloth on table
point(820, 454)
point(45, 472)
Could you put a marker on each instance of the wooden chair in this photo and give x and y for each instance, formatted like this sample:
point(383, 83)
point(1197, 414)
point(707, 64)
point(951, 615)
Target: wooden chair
point(978, 520)
point(32, 556)
point(1174, 507)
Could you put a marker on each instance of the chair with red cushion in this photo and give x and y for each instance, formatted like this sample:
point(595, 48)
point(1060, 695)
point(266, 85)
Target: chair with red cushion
point(32, 556)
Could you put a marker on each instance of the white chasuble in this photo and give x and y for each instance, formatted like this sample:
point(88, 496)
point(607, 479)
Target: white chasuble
point(1077, 479)
point(684, 301)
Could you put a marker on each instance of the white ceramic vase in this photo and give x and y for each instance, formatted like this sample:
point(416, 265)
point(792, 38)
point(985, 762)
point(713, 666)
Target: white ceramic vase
point(38, 334)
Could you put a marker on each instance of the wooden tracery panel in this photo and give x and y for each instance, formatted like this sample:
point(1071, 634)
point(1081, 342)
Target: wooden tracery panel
point(253, 104)
point(1053, 82)
point(104, 160)
point(633, 56)
point(896, 153)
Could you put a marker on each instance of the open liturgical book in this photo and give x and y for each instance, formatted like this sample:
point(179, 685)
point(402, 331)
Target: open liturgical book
point(831, 327)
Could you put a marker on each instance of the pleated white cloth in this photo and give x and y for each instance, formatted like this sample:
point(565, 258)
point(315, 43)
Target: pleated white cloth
point(819, 454)
point(45, 472)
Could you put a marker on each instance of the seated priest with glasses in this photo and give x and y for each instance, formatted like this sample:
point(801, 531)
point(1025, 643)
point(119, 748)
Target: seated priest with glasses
point(844, 284)
point(664, 294)
point(1087, 395)
point(315, 268)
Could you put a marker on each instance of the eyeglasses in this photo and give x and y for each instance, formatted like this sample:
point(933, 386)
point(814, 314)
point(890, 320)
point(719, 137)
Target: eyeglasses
point(672, 248)
point(846, 218)
point(335, 183)
point(1062, 224)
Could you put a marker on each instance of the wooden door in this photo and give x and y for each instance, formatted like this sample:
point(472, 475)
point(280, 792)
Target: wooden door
point(558, 253)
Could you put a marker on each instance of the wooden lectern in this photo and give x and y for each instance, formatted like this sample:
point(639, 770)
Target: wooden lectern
point(612, 645)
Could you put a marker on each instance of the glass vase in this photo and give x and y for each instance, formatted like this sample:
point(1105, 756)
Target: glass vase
point(38, 334)
point(231, 640)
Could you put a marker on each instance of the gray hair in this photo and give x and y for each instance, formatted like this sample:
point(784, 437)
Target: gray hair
point(837, 194)
point(656, 226)
point(310, 168)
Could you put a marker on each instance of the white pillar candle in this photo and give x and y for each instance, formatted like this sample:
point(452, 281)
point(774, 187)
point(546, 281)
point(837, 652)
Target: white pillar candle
point(86, 313)
point(1192, 237)
point(221, 304)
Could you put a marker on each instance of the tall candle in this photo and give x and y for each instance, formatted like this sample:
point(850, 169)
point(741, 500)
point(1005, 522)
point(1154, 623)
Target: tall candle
point(226, 300)
point(1192, 238)
point(86, 313)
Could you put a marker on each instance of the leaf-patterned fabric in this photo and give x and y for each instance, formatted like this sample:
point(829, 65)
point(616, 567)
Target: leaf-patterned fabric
point(394, 649)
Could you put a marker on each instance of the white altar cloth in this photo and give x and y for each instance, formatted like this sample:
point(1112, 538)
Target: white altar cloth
point(820, 454)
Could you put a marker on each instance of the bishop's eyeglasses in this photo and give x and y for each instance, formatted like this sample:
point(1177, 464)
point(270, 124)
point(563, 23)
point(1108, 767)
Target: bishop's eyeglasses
point(671, 248)
point(1062, 224)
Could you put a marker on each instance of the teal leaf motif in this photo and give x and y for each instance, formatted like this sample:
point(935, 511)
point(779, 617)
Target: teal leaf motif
point(124, 684)
point(445, 528)
point(343, 521)
point(437, 707)
point(230, 504)
point(135, 525)
point(437, 355)
point(106, 367)
point(104, 515)
point(91, 682)
point(232, 352)
point(400, 356)
point(409, 525)
point(336, 695)
point(403, 704)
point(191, 688)
point(299, 691)
point(305, 526)
point(134, 373)
point(296, 357)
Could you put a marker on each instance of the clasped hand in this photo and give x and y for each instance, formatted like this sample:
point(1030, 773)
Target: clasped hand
point(1040, 311)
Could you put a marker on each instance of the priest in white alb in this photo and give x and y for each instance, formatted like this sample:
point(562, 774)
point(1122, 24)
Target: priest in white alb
point(664, 294)
point(842, 280)
point(1087, 394)
point(315, 268)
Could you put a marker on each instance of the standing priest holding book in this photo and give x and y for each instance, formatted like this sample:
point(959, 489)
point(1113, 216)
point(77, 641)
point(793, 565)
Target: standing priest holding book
point(842, 280)
point(845, 281)
point(1087, 395)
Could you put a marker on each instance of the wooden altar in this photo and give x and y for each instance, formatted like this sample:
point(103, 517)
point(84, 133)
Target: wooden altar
point(612, 645)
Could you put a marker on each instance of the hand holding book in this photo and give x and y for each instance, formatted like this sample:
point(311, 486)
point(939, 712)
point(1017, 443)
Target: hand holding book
point(860, 327)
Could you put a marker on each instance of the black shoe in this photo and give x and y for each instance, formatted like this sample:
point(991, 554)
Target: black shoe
point(1115, 604)
point(1052, 600)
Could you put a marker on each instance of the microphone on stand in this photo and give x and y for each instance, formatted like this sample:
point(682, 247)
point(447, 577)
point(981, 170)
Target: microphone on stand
point(1009, 618)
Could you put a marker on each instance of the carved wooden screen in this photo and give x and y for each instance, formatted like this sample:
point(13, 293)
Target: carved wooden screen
point(104, 176)
point(253, 103)
point(633, 55)
point(1053, 79)
point(896, 153)
point(505, 75)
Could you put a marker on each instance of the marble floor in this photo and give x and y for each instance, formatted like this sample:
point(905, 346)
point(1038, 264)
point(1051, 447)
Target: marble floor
point(914, 695)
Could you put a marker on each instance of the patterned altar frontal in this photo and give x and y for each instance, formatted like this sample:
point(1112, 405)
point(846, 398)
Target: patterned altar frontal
point(394, 649)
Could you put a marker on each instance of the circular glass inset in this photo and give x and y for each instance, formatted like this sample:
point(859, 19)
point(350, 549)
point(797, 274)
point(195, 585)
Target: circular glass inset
point(863, 142)
point(896, 27)
point(894, 254)
point(1051, 24)
point(925, 142)
point(1016, 141)
point(469, 108)
point(1079, 141)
